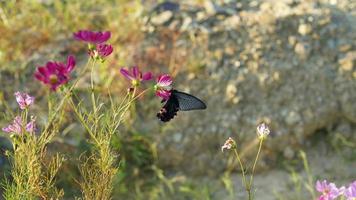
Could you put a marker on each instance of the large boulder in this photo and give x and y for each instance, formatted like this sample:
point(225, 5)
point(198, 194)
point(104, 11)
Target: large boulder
point(288, 63)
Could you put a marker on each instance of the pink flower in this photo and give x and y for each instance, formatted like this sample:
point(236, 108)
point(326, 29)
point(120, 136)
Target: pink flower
point(24, 100)
point(163, 86)
point(135, 75)
point(101, 51)
point(104, 50)
point(350, 192)
point(92, 37)
point(31, 126)
point(329, 190)
point(229, 144)
point(17, 126)
point(55, 74)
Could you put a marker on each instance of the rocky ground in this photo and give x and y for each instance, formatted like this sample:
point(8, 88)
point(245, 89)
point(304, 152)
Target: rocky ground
point(289, 63)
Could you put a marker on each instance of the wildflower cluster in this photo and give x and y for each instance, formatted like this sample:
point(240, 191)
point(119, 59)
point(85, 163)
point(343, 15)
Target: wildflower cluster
point(330, 191)
point(31, 179)
point(163, 86)
point(98, 170)
point(20, 124)
point(97, 49)
point(56, 74)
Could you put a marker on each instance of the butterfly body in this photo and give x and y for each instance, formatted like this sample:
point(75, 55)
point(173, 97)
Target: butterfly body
point(179, 101)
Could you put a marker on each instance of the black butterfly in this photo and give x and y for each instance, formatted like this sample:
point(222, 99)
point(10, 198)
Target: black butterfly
point(179, 101)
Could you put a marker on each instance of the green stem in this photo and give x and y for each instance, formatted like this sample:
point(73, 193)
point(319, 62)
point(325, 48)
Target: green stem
point(124, 108)
point(254, 166)
point(242, 168)
point(60, 105)
point(309, 174)
point(133, 99)
point(93, 101)
point(92, 87)
point(82, 121)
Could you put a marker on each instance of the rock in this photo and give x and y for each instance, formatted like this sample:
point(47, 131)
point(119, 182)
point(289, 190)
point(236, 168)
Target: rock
point(186, 23)
point(210, 7)
point(292, 118)
point(162, 18)
point(171, 6)
point(302, 49)
point(348, 62)
point(305, 29)
point(232, 22)
point(230, 92)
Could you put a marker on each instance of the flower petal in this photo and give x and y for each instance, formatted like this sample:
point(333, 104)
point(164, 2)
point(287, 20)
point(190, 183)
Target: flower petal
point(126, 74)
point(104, 50)
point(31, 126)
point(135, 72)
point(164, 94)
point(104, 36)
point(70, 63)
point(164, 80)
point(92, 37)
point(147, 76)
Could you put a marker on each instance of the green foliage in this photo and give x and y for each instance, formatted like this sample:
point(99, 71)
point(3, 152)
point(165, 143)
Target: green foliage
point(33, 173)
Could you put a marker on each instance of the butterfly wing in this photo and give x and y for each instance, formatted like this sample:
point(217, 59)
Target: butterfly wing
point(188, 102)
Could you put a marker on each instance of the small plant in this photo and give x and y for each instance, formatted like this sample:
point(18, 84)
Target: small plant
point(102, 120)
point(230, 144)
point(32, 175)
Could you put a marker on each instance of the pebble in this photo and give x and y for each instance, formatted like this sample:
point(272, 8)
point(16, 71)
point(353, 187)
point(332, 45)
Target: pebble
point(162, 18)
point(304, 29)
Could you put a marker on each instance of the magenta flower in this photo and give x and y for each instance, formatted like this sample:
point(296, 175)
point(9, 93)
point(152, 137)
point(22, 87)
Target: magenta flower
point(100, 51)
point(163, 86)
point(104, 50)
point(24, 100)
point(350, 192)
point(55, 74)
point(92, 37)
point(329, 190)
point(135, 75)
point(16, 126)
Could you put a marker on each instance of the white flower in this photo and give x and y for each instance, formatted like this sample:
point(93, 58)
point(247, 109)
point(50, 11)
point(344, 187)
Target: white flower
point(229, 144)
point(262, 131)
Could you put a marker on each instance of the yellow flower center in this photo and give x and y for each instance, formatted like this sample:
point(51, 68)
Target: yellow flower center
point(135, 82)
point(53, 79)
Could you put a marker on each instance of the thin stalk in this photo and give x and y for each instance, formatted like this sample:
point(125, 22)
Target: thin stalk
point(254, 166)
point(309, 174)
point(82, 120)
point(133, 99)
point(126, 106)
point(68, 92)
point(242, 168)
point(124, 109)
point(92, 88)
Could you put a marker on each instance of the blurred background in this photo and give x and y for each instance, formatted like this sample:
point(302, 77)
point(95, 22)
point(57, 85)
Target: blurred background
point(290, 63)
